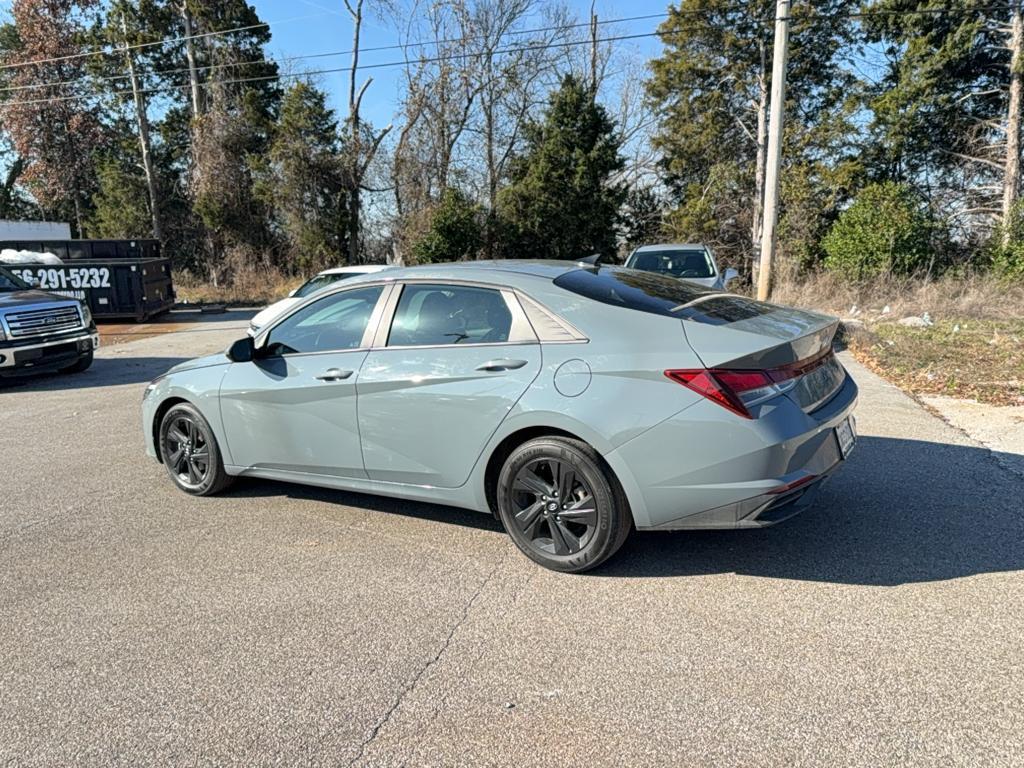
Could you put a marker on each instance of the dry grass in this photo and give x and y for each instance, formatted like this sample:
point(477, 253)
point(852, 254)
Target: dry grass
point(973, 359)
point(252, 289)
point(974, 349)
point(972, 297)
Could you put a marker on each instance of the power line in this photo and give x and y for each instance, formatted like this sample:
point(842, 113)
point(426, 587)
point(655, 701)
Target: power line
point(328, 54)
point(112, 50)
point(451, 57)
point(332, 70)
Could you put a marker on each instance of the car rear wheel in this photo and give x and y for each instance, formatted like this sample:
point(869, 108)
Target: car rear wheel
point(190, 452)
point(561, 504)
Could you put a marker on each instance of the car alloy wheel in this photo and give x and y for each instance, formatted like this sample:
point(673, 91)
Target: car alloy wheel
point(187, 451)
point(554, 507)
point(190, 452)
point(561, 504)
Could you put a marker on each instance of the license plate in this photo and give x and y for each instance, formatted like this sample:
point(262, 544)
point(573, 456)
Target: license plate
point(846, 435)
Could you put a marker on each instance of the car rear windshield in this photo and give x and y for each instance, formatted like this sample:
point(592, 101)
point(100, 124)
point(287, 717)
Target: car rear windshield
point(675, 262)
point(322, 281)
point(660, 295)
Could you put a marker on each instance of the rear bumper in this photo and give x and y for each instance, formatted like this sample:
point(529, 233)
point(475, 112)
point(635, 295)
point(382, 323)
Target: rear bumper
point(705, 469)
point(46, 355)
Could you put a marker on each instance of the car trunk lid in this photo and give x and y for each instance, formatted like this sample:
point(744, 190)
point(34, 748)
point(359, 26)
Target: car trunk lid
point(792, 346)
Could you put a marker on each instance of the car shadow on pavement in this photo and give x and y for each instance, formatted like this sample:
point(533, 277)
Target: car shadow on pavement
point(252, 488)
point(105, 372)
point(900, 512)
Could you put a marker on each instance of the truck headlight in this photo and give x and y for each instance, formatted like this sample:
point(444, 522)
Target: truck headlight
point(86, 315)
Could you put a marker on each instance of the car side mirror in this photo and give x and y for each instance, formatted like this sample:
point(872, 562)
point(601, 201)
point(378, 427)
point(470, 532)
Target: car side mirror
point(730, 274)
point(33, 281)
point(242, 351)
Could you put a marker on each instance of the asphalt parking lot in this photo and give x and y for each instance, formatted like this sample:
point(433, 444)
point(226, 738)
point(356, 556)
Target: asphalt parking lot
point(279, 624)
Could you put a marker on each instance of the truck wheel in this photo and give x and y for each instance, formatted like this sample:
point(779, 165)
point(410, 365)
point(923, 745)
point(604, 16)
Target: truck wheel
point(82, 365)
point(190, 452)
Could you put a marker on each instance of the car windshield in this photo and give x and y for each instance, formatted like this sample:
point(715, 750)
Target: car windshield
point(676, 262)
point(661, 295)
point(8, 282)
point(322, 281)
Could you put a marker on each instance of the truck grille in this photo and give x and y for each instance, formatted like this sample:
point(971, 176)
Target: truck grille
point(39, 322)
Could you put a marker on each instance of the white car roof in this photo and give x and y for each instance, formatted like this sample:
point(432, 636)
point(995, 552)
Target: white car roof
point(362, 269)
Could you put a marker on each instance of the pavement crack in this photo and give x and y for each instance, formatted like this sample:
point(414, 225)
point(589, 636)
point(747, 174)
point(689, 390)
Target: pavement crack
point(409, 687)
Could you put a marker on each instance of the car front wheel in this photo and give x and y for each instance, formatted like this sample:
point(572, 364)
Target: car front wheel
point(190, 452)
point(561, 504)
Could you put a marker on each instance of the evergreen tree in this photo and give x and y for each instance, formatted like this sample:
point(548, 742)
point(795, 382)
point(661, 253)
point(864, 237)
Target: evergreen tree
point(563, 201)
point(642, 217)
point(711, 89)
point(303, 182)
point(231, 136)
point(119, 204)
point(940, 113)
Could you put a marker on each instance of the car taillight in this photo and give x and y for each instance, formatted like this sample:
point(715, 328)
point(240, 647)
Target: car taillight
point(737, 390)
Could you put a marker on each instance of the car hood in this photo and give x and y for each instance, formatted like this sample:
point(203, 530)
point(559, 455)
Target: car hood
point(218, 358)
point(264, 316)
point(17, 298)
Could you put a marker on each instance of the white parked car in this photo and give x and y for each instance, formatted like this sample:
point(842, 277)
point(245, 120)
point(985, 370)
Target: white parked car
point(311, 286)
point(689, 261)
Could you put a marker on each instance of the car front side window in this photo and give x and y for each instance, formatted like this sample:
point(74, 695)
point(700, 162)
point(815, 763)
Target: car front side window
point(335, 322)
point(433, 315)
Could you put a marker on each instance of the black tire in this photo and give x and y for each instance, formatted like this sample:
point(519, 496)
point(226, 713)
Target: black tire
point(190, 452)
point(83, 364)
point(571, 535)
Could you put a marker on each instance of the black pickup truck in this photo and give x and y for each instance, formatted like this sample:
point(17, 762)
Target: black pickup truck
point(41, 331)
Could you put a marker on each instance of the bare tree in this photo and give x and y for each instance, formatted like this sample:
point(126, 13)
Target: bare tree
point(145, 146)
point(363, 142)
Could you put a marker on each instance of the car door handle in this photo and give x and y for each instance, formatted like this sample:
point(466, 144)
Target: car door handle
point(501, 365)
point(334, 374)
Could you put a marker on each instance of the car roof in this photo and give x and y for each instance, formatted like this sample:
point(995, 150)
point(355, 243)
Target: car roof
point(360, 269)
point(491, 271)
point(670, 247)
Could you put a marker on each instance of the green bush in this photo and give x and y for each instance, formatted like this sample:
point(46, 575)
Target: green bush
point(454, 233)
point(886, 230)
point(1007, 246)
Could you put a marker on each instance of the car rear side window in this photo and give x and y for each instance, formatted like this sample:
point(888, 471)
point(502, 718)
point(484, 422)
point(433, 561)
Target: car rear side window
point(335, 322)
point(432, 315)
point(660, 295)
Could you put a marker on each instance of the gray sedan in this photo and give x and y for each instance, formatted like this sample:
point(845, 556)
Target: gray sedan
point(571, 401)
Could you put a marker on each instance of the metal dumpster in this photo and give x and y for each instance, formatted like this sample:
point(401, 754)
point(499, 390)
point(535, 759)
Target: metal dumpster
point(117, 278)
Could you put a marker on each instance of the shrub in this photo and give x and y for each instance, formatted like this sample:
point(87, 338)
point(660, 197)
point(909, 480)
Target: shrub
point(454, 232)
point(886, 230)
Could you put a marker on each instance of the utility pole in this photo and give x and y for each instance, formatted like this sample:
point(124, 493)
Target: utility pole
point(780, 56)
point(593, 50)
point(142, 121)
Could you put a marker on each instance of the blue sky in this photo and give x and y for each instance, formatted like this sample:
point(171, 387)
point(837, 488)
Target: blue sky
point(302, 27)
